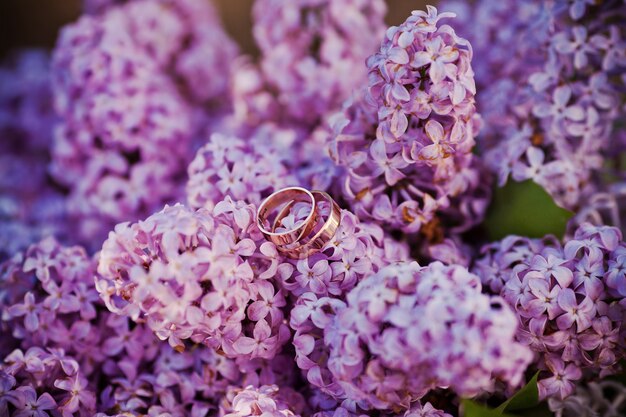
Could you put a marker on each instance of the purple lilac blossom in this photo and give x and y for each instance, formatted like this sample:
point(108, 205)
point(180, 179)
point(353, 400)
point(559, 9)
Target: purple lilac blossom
point(61, 340)
point(204, 275)
point(244, 169)
point(36, 382)
point(406, 147)
point(48, 299)
point(312, 59)
point(549, 91)
point(405, 330)
point(127, 118)
point(312, 52)
point(186, 40)
point(569, 300)
point(31, 206)
point(357, 249)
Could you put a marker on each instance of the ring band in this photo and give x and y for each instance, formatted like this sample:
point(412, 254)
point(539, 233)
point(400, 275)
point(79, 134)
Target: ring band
point(322, 236)
point(290, 196)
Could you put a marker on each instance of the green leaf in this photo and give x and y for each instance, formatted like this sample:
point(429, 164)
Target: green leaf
point(473, 409)
point(525, 209)
point(526, 397)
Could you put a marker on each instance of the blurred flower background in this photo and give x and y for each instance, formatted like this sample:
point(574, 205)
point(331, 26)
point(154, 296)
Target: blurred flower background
point(28, 23)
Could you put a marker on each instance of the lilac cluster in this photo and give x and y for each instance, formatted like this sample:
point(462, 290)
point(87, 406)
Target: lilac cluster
point(62, 344)
point(30, 205)
point(243, 169)
point(407, 146)
point(550, 88)
point(184, 38)
point(569, 300)
point(204, 275)
point(126, 116)
point(356, 250)
point(404, 331)
point(312, 55)
point(48, 299)
point(36, 382)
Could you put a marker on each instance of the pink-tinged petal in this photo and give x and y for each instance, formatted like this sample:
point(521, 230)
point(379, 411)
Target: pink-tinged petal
point(535, 156)
point(266, 290)
point(399, 92)
point(262, 330)
point(245, 247)
point(378, 151)
point(533, 308)
point(430, 152)
point(244, 345)
point(405, 39)
point(304, 344)
point(399, 123)
point(242, 218)
point(437, 71)
point(457, 94)
point(567, 299)
point(434, 131)
point(299, 315)
point(31, 322)
point(212, 302)
point(565, 321)
point(420, 59)
point(317, 286)
point(320, 268)
point(398, 56)
point(562, 95)
point(576, 113)
point(257, 310)
point(170, 242)
point(382, 208)
point(393, 175)
point(46, 402)
point(564, 276)
point(538, 287)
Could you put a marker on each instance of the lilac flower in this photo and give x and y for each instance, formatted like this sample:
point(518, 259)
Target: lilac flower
point(31, 206)
point(538, 74)
point(312, 54)
point(356, 250)
point(406, 146)
point(28, 405)
point(569, 311)
point(48, 300)
point(203, 271)
point(372, 341)
point(227, 165)
point(561, 383)
point(29, 384)
point(127, 121)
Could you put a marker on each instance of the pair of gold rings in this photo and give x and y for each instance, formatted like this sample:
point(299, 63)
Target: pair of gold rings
point(307, 236)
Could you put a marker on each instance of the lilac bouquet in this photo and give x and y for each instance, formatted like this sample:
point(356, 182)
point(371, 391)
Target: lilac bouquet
point(137, 277)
